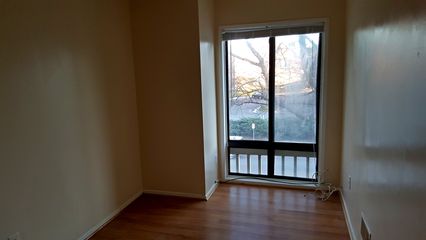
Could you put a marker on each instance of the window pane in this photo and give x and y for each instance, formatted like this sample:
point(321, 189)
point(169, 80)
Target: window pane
point(254, 164)
point(233, 163)
point(248, 65)
point(264, 165)
point(295, 164)
point(296, 60)
point(278, 166)
point(243, 163)
point(289, 166)
point(248, 161)
point(302, 168)
point(312, 167)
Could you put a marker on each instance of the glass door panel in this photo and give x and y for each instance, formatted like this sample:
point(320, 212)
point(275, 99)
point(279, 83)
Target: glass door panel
point(296, 61)
point(248, 86)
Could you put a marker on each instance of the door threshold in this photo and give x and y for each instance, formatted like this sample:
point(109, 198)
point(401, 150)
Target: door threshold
point(271, 182)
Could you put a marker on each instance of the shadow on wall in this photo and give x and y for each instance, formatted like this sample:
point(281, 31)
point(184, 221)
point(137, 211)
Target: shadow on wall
point(68, 131)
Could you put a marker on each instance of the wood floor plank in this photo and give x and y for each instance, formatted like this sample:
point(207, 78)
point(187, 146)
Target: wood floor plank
point(233, 212)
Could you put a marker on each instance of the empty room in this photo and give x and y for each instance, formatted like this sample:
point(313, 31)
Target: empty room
point(212, 119)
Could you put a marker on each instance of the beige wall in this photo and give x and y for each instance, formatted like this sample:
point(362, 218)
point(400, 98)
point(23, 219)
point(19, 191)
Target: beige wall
point(237, 12)
point(208, 82)
point(167, 63)
point(385, 121)
point(68, 126)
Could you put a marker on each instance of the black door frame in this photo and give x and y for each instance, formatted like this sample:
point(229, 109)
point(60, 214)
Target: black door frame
point(271, 145)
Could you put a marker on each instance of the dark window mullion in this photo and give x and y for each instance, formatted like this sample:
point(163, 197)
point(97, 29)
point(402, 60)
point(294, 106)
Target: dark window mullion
point(318, 90)
point(271, 107)
point(227, 102)
point(227, 87)
point(303, 147)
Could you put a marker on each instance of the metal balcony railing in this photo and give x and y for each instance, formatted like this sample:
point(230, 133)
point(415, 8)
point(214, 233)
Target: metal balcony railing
point(292, 164)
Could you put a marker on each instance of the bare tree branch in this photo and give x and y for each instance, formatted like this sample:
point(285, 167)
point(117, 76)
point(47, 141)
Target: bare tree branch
point(246, 60)
point(244, 92)
point(262, 64)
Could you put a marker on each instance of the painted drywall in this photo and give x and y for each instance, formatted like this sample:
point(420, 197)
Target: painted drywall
point(68, 128)
point(167, 65)
point(208, 83)
point(384, 143)
point(238, 12)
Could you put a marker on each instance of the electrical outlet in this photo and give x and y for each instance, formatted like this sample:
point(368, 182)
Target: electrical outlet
point(349, 182)
point(15, 236)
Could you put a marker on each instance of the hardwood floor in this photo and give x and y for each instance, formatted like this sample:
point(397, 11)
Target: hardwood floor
point(233, 212)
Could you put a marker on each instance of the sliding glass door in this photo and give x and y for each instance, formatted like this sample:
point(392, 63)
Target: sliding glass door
point(273, 102)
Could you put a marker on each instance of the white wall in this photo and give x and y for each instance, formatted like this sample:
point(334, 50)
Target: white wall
point(237, 12)
point(167, 63)
point(69, 147)
point(208, 82)
point(384, 150)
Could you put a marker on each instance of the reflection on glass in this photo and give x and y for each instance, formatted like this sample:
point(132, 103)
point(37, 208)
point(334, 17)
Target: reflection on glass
point(248, 65)
point(296, 60)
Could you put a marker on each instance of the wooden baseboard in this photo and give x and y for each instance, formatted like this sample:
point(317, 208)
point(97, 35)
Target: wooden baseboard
point(211, 191)
point(347, 217)
point(175, 194)
point(109, 218)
